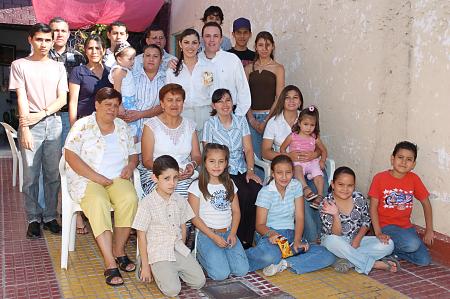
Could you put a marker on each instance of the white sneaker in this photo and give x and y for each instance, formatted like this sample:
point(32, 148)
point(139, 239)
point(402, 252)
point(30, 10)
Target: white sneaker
point(271, 270)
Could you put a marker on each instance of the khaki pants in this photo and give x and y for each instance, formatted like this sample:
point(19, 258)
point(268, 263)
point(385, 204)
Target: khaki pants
point(167, 274)
point(98, 200)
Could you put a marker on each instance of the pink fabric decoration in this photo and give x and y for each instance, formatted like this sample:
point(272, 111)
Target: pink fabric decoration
point(136, 14)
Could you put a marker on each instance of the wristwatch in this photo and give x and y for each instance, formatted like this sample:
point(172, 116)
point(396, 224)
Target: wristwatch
point(250, 169)
point(46, 112)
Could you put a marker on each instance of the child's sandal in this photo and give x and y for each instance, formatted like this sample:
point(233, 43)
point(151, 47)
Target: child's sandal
point(314, 206)
point(309, 194)
point(316, 203)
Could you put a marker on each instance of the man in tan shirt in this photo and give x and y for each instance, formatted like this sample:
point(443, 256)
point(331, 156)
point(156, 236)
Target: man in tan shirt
point(41, 87)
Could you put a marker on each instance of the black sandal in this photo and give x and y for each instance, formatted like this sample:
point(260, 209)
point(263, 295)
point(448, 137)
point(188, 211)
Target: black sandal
point(123, 262)
point(110, 274)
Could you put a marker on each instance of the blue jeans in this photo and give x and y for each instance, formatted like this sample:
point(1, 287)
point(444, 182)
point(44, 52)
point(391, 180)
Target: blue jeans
point(257, 137)
point(408, 245)
point(370, 250)
point(219, 262)
point(46, 154)
point(257, 140)
point(312, 223)
point(266, 253)
point(41, 197)
point(65, 131)
point(65, 126)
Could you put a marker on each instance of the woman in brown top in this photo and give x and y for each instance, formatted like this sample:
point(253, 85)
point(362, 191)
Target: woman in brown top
point(266, 80)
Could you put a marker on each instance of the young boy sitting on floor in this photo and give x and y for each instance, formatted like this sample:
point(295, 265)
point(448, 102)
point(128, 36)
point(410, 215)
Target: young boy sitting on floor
point(160, 223)
point(391, 200)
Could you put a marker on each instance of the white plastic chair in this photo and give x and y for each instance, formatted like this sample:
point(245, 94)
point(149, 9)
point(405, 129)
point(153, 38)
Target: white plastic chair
point(265, 165)
point(69, 209)
point(16, 155)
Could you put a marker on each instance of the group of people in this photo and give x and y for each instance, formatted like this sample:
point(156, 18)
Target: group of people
point(200, 120)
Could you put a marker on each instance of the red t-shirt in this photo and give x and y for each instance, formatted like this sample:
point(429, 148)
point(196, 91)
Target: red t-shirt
point(395, 197)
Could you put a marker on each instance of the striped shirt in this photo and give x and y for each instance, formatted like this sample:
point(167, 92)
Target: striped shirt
point(281, 211)
point(214, 132)
point(147, 93)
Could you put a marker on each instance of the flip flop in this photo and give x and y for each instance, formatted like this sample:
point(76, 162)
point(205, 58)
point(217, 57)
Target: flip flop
point(110, 274)
point(123, 262)
point(82, 230)
point(392, 259)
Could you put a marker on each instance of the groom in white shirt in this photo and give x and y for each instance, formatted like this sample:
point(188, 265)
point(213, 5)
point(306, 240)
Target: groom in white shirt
point(229, 69)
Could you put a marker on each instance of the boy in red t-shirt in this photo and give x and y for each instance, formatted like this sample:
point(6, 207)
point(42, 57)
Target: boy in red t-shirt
point(391, 200)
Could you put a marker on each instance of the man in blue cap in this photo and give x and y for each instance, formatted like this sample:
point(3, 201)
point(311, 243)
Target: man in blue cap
point(242, 32)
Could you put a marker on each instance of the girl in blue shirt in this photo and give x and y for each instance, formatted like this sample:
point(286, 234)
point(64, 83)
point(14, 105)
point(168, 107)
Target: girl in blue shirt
point(280, 211)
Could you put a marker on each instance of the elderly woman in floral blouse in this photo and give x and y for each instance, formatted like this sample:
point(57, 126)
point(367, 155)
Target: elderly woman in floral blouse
point(101, 157)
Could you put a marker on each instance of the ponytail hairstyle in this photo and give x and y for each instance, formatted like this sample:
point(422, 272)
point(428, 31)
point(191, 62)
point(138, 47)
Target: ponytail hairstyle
point(224, 178)
point(279, 106)
point(267, 37)
point(310, 111)
point(185, 33)
point(279, 160)
point(339, 171)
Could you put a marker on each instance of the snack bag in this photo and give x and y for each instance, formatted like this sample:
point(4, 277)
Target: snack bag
point(284, 247)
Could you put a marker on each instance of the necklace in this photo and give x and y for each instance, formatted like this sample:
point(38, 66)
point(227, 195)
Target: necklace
point(265, 64)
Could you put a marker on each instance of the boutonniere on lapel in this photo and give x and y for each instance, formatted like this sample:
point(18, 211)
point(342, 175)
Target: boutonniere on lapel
point(208, 78)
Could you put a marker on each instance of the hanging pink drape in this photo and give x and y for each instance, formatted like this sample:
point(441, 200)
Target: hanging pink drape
point(136, 14)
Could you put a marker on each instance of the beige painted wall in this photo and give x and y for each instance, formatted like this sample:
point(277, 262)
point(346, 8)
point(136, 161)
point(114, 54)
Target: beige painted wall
point(378, 70)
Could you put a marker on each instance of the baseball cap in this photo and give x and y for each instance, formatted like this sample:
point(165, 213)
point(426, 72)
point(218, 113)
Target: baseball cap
point(241, 23)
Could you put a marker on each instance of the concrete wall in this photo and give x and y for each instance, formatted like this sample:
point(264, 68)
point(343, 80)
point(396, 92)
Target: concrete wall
point(378, 70)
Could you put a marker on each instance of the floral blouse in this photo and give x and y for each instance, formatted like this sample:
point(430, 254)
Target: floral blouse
point(86, 140)
point(358, 217)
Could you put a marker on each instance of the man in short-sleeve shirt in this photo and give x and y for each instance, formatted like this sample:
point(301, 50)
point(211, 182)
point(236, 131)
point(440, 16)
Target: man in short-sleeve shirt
point(41, 87)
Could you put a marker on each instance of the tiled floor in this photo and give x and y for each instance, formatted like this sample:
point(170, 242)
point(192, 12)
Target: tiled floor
point(31, 269)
